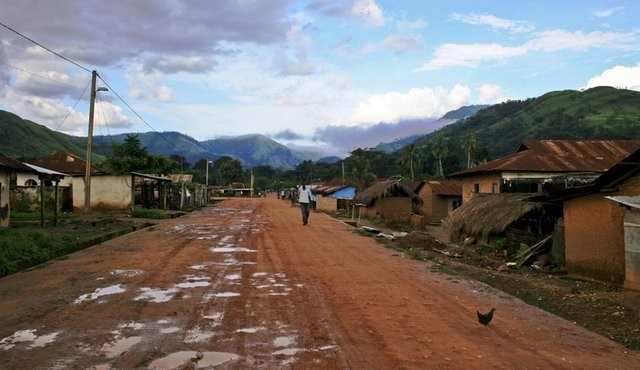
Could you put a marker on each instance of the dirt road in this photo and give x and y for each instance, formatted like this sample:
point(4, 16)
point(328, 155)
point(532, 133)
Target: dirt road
point(245, 285)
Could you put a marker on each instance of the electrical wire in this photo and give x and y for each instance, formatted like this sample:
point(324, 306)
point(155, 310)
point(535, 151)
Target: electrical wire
point(46, 48)
point(38, 75)
point(74, 106)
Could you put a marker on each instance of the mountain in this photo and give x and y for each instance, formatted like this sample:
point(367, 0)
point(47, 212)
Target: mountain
point(25, 140)
point(598, 113)
point(430, 126)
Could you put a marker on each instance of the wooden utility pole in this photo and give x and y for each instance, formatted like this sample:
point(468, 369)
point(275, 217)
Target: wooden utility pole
point(87, 172)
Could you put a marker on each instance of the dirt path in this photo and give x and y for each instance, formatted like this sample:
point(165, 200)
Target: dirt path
point(246, 285)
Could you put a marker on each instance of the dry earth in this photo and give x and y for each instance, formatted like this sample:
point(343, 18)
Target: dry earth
point(245, 285)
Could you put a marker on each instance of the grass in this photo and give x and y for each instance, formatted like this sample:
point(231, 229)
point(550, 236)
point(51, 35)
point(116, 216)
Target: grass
point(155, 214)
point(25, 247)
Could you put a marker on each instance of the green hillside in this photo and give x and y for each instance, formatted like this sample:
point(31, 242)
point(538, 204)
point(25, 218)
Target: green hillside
point(598, 113)
point(25, 140)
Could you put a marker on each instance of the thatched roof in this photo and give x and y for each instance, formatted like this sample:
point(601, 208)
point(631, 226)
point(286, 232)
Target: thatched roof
point(383, 189)
point(487, 214)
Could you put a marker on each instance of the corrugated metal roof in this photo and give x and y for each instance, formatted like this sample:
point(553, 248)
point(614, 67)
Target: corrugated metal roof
point(46, 171)
point(445, 187)
point(633, 202)
point(560, 156)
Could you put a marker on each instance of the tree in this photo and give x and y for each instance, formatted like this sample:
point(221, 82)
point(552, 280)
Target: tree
point(131, 156)
point(229, 170)
point(410, 158)
point(359, 169)
point(470, 145)
point(440, 149)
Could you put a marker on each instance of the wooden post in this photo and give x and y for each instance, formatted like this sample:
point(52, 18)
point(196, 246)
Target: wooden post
point(87, 170)
point(41, 201)
point(56, 202)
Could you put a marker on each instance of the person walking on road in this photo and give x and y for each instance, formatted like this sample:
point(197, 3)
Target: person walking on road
point(304, 197)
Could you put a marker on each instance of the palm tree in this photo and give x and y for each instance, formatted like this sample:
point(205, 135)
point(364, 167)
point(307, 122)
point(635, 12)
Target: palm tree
point(440, 149)
point(470, 145)
point(410, 158)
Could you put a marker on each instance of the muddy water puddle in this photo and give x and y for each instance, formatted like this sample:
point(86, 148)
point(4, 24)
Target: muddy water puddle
point(113, 289)
point(197, 359)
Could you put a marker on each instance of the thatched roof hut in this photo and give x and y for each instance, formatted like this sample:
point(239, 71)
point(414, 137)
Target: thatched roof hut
point(384, 189)
point(485, 215)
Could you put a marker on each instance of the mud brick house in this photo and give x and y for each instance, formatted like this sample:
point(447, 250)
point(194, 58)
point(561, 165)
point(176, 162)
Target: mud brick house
point(602, 225)
point(439, 199)
point(392, 201)
point(545, 165)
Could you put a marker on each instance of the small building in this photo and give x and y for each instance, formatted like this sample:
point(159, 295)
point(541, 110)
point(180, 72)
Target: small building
point(390, 200)
point(334, 195)
point(439, 199)
point(110, 192)
point(488, 218)
point(9, 167)
point(601, 225)
point(545, 165)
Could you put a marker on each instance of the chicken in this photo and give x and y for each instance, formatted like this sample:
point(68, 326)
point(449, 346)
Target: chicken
point(485, 318)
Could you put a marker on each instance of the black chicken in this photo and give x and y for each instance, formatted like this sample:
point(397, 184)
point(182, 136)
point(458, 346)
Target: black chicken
point(485, 318)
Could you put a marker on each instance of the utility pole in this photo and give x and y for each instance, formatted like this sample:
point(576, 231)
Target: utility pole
point(87, 171)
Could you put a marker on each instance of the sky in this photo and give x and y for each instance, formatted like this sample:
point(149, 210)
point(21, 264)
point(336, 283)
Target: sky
point(321, 75)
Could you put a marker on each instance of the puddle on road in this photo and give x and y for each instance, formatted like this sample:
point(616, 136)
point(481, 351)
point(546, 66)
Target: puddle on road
point(250, 330)
point(127, 273)
point(226, 294)
point(199, 359)
point(156, 295)
point(231, 249)
point(29, 335)
point(284, 341)
point(113, 289)
point(119, 346)
point(193, 284)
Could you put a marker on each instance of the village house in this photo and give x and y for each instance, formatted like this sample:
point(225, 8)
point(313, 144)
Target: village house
point(544, 165)
point(9, 168)
point(334, 195)
point(392, 201)
point(108, 191)
point(602, 225)
point(439, 198)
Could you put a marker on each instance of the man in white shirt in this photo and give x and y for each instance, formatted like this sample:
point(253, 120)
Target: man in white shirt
point(304, 197)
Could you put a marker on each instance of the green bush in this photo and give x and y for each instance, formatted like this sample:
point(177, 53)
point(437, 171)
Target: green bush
point(22, 248)
point(152, 213)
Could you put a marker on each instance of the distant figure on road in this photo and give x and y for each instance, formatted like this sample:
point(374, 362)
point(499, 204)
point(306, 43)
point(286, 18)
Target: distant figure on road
point(304, 197)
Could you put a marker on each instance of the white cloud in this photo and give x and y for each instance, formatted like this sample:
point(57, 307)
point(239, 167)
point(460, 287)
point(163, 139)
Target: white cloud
point(618, 76)
point(489, 94)
point(368, 11)
point(164, 94)
point(493, 21)
point(469, 55)
point(604, 13)
point(400, 45)
point(556, 40)
point(416, 103)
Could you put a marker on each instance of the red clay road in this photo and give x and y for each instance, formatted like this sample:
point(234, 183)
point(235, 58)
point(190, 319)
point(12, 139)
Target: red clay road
point(244, 284)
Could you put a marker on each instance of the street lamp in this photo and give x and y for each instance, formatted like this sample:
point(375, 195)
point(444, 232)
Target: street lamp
point(87, 171)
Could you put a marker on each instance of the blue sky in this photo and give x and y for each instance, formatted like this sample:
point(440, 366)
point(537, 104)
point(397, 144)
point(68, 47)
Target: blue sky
point(324, 75)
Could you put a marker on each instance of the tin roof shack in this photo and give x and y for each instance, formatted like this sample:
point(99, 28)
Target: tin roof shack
point(490, 218)
point(601, 225)
point(334, 195)
point(390, 200)
point(439, 198)
point(150, 191)
point(545, 165)
point(108, 191)
point(8, 177)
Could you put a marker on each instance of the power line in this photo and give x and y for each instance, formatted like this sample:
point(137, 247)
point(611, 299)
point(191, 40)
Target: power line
point(74, 106)
point(44, 47)
point(134, 112)
point(38, 75)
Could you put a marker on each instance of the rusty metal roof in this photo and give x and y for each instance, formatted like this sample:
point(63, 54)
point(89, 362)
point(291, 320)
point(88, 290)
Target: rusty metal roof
point(68, 163)
point(8, 162)
point(445, 187)
point(560, 156)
